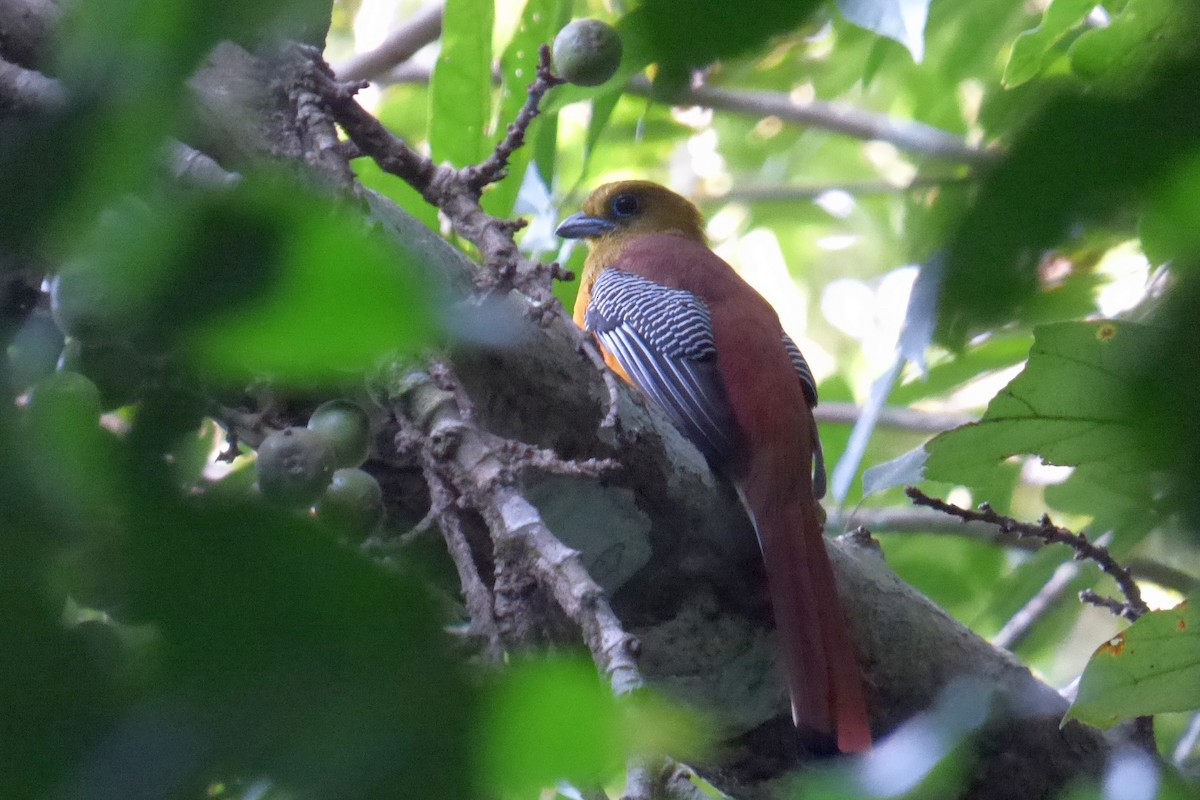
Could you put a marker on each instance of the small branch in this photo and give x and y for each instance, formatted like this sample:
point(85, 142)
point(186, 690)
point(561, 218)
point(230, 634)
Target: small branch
point(902, 418)
point(457, 191)
point(1132, 609)
point(639, 784)
point(789, 193)
point(908, 135)
point(424, 27)
point(1020, 624)
point(481, 605)
point(495, 166)
point(589, 349)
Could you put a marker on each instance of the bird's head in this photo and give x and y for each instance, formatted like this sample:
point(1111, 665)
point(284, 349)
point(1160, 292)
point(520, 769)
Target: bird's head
point(633, 208)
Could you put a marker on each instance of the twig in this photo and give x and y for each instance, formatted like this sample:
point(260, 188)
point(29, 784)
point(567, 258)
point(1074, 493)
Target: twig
point(1187, 743)
point(909, 135)
point(1021, 623)
point(589, 349)
point(787, 193)
point(424, 27)
point(1132, 609)
point(639, 784)
point(494, 167)
point(903, 418)
point(193, 168)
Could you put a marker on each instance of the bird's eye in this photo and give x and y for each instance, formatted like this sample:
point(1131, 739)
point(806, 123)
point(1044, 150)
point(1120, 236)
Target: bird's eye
point(625, 205)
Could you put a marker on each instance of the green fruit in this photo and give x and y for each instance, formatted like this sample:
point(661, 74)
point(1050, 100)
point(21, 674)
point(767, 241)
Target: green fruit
point(348, 429)
point(352, 504)
point(33, 351)
point(294, 466)
point(587, 52)
point(116, 369)
point(65, 398)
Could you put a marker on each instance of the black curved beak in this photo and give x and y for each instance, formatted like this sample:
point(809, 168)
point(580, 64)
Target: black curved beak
point(581, 226)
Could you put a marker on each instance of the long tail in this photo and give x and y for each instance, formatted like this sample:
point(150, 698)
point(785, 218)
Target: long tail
point(823, 674)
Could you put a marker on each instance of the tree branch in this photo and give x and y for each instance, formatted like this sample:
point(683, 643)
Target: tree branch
point(424, 27)
point(1134, 607)
point(908, 135)
point(23, 91)
point(903, 418)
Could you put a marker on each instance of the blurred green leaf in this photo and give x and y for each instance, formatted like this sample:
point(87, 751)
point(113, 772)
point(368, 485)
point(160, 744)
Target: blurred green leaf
point(1032, 50)
point(460, 91)
point(1145, 35)
point(1116, 498)
point(1060, 407)
point(256, 610)
point(339, 297)
point(547, 720)
point(1084, 157)
point(1152, 667)
point(1170, 225)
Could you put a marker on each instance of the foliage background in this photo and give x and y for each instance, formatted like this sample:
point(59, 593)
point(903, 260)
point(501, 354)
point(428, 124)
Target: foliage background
point(1091, 213)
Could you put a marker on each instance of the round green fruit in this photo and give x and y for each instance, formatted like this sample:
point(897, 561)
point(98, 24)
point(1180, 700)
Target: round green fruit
point(348, 429)
point(587, 52)
point(352, 504)
point(34, 349)
point(65, 396)
point(294, 466)
point(115, 368)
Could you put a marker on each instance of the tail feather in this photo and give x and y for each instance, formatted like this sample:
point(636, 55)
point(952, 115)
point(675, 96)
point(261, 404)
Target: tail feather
point(823, 674)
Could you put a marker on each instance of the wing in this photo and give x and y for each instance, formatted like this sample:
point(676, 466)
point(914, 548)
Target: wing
point(820, 480)
point(663, 339)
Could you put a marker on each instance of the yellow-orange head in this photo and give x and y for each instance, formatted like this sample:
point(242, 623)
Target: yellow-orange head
point(624, 210)
point(617, 213)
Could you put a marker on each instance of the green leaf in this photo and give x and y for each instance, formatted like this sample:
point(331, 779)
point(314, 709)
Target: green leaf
point(461, 87)
point(1031, 50)
point(1084, 158)
point(1060, 407)
point(1170, 225)
point(1144, 36)
point(1152, 667)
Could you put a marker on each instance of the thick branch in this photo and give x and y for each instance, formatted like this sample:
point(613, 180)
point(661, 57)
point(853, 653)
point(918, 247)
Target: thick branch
point(475, 464)
point(24, 90)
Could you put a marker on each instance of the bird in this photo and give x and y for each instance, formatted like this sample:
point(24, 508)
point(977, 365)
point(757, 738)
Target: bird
point(679, 323)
